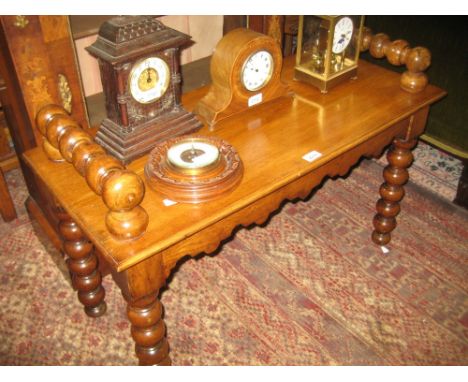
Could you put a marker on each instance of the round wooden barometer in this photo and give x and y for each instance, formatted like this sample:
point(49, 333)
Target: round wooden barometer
point(193, 169)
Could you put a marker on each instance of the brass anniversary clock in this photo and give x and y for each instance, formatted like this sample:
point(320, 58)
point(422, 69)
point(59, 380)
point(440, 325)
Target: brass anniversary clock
point(327, 49)
point(140, 72)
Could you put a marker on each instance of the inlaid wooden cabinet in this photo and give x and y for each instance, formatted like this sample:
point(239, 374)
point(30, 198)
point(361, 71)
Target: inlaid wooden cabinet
point(37, 62)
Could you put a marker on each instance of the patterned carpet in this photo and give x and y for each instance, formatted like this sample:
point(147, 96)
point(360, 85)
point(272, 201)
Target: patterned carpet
point(309, 288)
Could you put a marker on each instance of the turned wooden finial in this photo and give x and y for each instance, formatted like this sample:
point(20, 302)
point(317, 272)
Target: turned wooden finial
point(398, 52)
point(70, 140)
point(83, 154)
point(98, 169)
point(57, 125)
point(122, 190)
point(417, 61)
point(126, 219)
point(43, 117)
point(45, 114)
point(378, 45)
point(366, 38)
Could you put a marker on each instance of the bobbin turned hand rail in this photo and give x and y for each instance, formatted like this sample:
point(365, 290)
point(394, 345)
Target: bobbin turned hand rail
point(122, 190)
point(398, 53)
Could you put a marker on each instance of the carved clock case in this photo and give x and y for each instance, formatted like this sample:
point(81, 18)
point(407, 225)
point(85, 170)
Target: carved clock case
point(134, 124)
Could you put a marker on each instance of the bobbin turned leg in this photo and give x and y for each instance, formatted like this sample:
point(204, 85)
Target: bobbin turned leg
point(82, 264)
point(392, 192)
point(148, 331)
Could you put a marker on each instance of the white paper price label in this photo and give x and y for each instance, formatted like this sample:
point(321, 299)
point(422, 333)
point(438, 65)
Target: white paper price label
point(311, 156)
point(255, 99)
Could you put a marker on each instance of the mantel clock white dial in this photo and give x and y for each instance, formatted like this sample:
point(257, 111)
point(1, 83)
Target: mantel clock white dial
point(257, 70)
point(149, 79)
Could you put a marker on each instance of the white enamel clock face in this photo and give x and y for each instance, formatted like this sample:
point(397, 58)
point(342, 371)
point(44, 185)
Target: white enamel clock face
point(192, 154)
point(149, 80)
point(343, 33)
point(257, 70)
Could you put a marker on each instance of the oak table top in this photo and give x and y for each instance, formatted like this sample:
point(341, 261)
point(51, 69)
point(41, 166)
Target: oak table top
point(270, 139)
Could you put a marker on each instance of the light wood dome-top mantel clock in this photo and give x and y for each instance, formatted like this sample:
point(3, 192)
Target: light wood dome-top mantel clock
point(328, 49)
point(245, 72)
point(140, 72)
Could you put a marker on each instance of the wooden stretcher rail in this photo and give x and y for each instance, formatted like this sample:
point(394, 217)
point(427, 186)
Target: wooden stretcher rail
point(122, 190)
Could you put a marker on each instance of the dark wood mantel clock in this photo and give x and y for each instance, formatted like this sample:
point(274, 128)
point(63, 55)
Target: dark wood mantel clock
point(140, 73)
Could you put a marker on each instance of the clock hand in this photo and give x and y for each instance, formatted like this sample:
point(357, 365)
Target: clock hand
point(148, 78)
